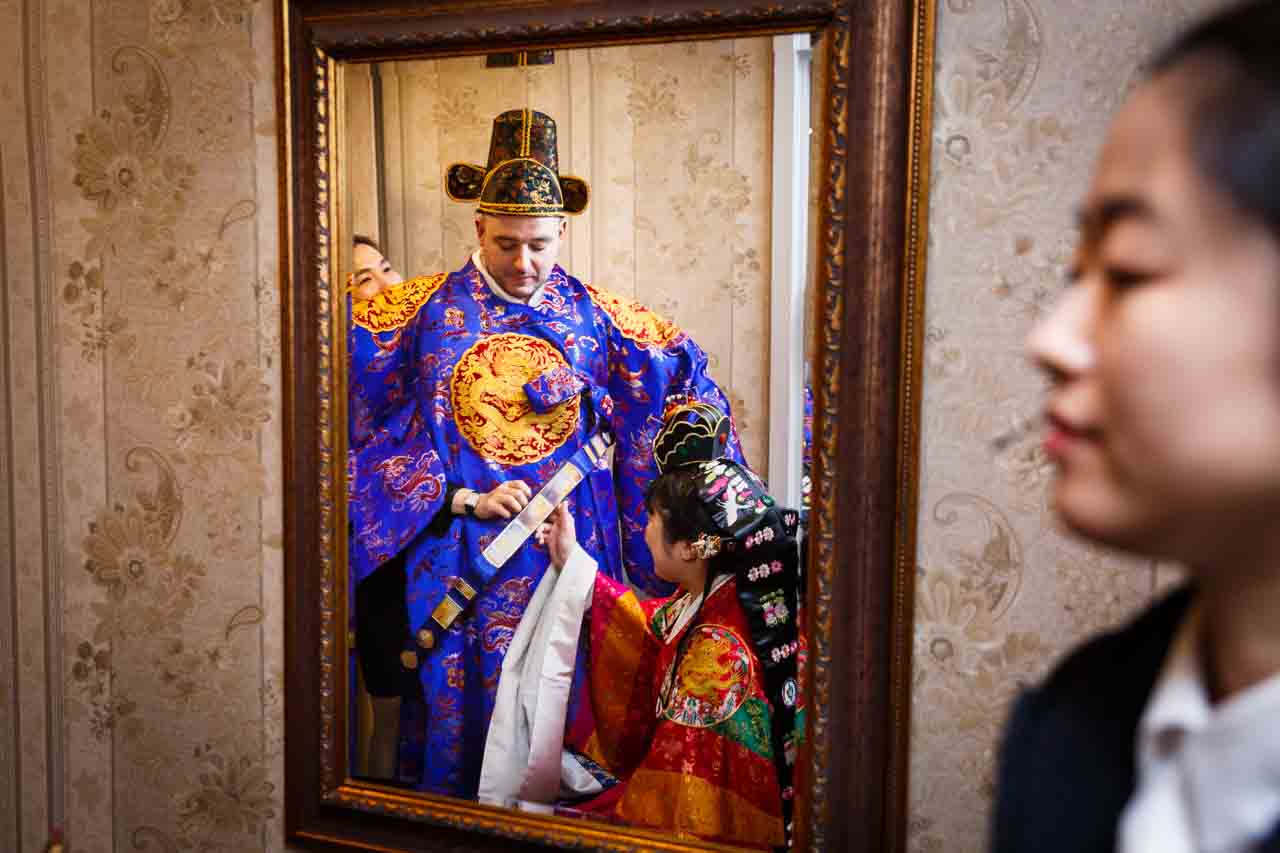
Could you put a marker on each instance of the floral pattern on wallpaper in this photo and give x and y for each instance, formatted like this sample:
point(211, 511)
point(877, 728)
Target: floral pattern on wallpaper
point(701, 119)
point(1022, 94)
point(166, 310)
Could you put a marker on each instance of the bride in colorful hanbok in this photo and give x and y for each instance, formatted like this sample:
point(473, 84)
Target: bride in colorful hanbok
point(680, 713)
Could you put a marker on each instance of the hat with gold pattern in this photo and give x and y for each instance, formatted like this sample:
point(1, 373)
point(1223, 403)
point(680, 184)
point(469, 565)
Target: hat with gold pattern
point(692, 431)
point(523, 176)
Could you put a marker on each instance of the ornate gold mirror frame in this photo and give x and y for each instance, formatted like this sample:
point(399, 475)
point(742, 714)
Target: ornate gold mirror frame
point(869, 303)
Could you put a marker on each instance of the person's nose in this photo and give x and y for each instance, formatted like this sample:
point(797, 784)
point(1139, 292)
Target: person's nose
point(523, 260)
point(1061, 344)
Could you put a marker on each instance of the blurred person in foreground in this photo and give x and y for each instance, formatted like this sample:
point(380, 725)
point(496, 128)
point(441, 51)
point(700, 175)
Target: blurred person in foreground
point(1164, 422)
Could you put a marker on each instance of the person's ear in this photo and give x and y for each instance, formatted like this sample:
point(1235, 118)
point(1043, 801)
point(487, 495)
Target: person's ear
point(480, 227)
point(684, 550)
point(564, 226)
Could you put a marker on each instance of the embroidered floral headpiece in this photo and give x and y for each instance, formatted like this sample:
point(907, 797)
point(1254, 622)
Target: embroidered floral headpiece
point(523, 176)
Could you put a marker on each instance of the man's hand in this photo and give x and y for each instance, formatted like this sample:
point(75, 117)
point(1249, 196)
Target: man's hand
point(558, 535)
point(504, 501)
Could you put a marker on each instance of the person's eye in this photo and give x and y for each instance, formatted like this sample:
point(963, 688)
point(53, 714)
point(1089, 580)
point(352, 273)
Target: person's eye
point(1124, 278)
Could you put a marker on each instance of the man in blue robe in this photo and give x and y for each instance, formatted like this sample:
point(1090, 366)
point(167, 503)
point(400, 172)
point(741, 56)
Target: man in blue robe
point(505, 370)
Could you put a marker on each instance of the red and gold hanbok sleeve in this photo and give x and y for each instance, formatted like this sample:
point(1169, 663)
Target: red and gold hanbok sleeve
point(613, 724)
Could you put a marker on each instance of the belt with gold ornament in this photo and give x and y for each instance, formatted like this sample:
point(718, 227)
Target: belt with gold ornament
point(464, 588)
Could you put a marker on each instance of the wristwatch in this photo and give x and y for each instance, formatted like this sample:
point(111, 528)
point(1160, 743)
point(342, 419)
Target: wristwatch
point(470, 502)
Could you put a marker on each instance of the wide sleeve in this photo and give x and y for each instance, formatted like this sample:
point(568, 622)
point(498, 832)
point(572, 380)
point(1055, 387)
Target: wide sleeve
point(611, 713)
point(522, 754)
point(396, 485)
point(651, 361)
point(395, 477)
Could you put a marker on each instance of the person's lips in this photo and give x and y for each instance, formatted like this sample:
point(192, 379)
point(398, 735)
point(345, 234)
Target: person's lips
point(1064, 435)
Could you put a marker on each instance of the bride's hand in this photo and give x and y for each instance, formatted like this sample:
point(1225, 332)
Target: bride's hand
point(558, 535)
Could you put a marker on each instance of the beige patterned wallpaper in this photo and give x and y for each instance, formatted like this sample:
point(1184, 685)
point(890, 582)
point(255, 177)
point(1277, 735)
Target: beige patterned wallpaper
point(674, 141)
point(139, 427)
point(1023, 93)
point(140, 500)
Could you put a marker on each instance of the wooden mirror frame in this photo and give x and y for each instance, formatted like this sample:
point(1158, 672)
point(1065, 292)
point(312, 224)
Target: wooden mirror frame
point(869, 301)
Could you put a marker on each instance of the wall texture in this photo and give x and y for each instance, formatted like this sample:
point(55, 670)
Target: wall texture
point(1023, 93)
point(141, 703)
point(140, 496)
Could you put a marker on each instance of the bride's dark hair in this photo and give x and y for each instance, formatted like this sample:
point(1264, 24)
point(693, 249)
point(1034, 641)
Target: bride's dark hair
point(685, 516)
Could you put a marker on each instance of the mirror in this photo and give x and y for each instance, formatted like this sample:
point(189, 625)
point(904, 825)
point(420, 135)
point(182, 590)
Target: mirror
point(685, 274)
point(701, 164)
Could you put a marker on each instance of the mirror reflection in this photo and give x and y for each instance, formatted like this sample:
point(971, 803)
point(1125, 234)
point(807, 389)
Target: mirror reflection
point(575, 309)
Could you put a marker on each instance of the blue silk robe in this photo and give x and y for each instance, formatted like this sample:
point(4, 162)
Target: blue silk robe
point(487, 391)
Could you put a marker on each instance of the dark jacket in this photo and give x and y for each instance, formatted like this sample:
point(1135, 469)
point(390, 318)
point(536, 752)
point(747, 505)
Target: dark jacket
point(1067, 767)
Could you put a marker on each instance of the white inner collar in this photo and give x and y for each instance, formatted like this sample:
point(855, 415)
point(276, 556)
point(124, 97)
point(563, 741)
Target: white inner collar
point(534, 299)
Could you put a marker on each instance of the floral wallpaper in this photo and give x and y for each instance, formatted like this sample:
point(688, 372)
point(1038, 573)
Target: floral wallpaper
point(140, 427)
point(674, 142)
point(141, 624)
point(1023, 92)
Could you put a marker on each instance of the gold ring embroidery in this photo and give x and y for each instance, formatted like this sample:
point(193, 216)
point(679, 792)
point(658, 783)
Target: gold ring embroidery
point(491, 408)
point(713, 681)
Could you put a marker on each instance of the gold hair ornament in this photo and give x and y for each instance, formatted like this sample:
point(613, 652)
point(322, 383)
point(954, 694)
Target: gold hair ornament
point(706, 546)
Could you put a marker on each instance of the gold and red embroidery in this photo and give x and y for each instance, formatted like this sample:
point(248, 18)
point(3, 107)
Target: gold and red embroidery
point(713, 682)
point(635, 321)
point(397, 305)
point(491, 408)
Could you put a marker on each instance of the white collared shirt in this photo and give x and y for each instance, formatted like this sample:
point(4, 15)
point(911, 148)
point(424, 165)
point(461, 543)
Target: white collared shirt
point(1208, 776)
point(534, 299)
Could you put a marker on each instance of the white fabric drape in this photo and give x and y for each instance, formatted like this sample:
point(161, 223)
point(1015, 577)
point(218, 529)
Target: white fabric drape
point(523, 750)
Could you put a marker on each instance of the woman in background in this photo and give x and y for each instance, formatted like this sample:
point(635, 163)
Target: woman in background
point(1164, 422)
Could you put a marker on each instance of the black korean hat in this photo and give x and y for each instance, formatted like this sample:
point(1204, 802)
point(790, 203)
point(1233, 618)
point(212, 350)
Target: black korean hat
point(523, 175)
